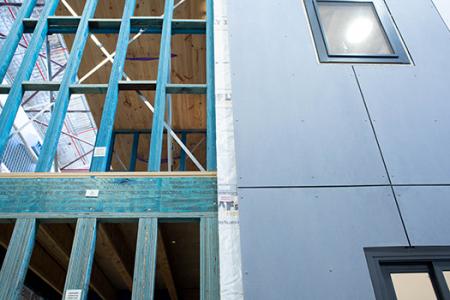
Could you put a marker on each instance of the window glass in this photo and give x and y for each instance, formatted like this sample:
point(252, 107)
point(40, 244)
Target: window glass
point(413, 286)
point(352, 28)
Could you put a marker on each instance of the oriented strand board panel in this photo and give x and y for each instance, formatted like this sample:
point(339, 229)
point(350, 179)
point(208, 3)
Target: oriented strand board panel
point(297, 122)
point(410, 104)
point(426, 212)
point(308, 243)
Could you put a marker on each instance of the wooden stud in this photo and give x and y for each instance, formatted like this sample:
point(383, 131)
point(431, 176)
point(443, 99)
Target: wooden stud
point(56, 123)
point(41, 263)
point(209, 259)
point(81, 257)
point(15, 34)
point(156, 138)
point(145, 262)
point(111, 152)
point(211, 159)
point(14, 99)
point(134, 152)
point(99, 162)
point(15, 265)
point(57, 242)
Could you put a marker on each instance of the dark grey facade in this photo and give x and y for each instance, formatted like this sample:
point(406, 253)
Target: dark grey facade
point(333, 158)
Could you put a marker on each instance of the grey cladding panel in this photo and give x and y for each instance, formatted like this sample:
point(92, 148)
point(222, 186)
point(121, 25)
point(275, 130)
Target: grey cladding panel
point(426, 212)
point(410, 105)
point(297, 122)
point(308, 243)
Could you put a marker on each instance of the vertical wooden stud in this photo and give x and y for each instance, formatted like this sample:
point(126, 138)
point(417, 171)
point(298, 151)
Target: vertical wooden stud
point(14, 99)
point(145, 263)
point(209, 259)
point(211, 159)
point(134, 152)
point(156, 138)
point(17, 258)
point(56, 123)
point(100, 162)
point(81, 258)
point(14, 36)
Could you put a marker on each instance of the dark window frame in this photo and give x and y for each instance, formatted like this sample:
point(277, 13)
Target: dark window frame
point(382, 261)
point(398, 57)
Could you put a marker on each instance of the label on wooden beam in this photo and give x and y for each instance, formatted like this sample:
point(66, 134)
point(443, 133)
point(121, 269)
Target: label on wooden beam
point(73, 295)
point(99, 151)
point(92, 193)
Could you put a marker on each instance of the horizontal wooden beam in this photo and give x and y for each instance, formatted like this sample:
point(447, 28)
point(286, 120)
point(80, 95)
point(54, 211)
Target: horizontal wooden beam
point(142, 85)
point(148, 25)
point(69, 197)
point(108, 175)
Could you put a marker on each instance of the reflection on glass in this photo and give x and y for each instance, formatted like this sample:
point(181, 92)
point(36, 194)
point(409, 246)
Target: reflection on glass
point(352, 28)
point(413, 286)
point(447, 278)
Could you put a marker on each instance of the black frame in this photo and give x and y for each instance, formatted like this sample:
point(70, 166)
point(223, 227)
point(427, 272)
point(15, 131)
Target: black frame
point(386, 260)
point(398, 57)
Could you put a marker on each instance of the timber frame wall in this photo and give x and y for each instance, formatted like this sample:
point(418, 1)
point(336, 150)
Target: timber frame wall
point(149, 198)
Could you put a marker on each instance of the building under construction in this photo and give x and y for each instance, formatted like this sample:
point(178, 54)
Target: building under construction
point(224, 149)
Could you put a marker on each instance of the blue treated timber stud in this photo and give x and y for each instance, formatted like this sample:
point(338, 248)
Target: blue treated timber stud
point(134, 152)
point(156, 139)
point(26, 68)
point(145, 261)
point(81, 257)
point(211, 159)
point(56, 123)
point(209, 259)
point(111, 151)
point(100, 161)
point(14, 36)
point(17, 258)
